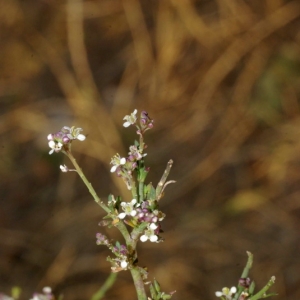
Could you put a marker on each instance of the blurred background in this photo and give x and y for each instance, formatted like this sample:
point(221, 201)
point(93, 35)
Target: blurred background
point(221, 79)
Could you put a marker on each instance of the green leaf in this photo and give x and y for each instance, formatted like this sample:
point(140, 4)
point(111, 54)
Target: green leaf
point(156, 285)
point(149, 193)
point(251, 288)
point(152, 291)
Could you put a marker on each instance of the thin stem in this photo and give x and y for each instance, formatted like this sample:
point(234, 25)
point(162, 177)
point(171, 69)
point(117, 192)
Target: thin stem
point(109, 282)
point(123, 229)
point(262, 293)
point(248, 265)
point(161, 184)
point(244, 274)
point(141, 143)
point(87, 183)
point(134, 190)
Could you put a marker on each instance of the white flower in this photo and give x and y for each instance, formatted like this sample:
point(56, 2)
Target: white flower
point(130, 119)
point(117, 161)
point(149, 233)
point(54, 146)
point(64, 168)
point(226, 292)
point(124, 264)
point(73, 133)
point(129, 209)
point(136, 153)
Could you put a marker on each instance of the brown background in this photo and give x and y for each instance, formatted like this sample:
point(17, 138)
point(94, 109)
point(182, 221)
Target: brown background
point(220, 78)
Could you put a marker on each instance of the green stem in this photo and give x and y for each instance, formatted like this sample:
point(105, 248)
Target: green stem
point(248, 265)
point(123, 229)
point(109, 282)
point(141, 191)
point(244, 274)
point(262, 293)
point(141, 143)
point(138, 283)
point(134, 190)
point(87, 183)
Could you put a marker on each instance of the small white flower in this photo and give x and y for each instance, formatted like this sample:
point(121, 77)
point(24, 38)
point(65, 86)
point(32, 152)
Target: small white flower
point(153, 226)
point(117, 161)
point(124, 264)
point(54, 146)
point(73, 133)
point(64, 168)
point(130, 119)
point(226, 292)
point(129, 209)
point(149, 233)
point(136, 153)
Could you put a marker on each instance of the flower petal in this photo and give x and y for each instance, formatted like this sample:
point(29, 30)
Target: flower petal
point(153, 238)
point(81, 137)
point(126, 124)
point(122, 215)
point(143, 238)
point(113, 169)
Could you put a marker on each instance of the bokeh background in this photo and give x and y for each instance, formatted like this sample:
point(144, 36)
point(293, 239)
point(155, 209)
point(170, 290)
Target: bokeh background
point(221, 79)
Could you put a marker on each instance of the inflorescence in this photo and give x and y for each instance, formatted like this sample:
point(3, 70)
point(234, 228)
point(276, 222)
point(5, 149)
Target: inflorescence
point(142, 210)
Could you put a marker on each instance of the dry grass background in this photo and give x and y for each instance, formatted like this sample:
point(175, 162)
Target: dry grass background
point(220, 78)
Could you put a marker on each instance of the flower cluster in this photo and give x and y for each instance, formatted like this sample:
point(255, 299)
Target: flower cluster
point(63, 138)
point(245, 282)
point(124, 166)
point(151, 233)
point(146, 122)
point(102, 239)
point(226, 293)
point(141, 213)
point(145, 213)
point(120, 262)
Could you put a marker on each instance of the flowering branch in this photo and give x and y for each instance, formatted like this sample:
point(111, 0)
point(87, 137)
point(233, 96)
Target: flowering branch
point(138, 219)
